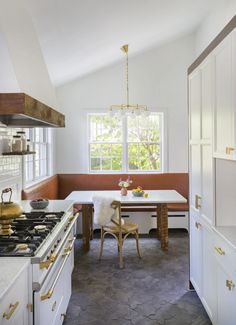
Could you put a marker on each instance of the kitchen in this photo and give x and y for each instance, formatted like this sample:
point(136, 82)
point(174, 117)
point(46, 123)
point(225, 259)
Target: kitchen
point(66, 139)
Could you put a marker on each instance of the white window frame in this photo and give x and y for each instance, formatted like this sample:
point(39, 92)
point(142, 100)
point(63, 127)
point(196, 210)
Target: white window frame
point(47, 141)
point(162, 143)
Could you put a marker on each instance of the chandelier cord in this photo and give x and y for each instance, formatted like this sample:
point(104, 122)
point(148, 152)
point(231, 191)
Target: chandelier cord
point(127, 79)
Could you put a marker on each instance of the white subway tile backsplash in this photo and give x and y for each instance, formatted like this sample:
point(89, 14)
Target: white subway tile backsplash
point(9, 165)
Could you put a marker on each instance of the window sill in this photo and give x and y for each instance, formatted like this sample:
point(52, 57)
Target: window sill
point(29, 184)
point(126, 172)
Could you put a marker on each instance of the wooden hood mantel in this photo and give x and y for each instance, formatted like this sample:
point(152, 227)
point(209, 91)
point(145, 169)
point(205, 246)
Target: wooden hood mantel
point(22, 110)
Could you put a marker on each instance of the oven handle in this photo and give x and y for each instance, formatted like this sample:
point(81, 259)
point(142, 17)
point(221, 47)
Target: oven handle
point(66, 254)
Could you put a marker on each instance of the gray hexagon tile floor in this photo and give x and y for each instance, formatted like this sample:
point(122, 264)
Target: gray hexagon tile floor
point(150, 291)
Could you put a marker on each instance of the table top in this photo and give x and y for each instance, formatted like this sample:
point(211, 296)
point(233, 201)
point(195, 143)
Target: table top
point(154, 197)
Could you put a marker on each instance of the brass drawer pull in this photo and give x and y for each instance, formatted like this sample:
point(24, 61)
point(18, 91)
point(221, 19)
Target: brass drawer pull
point(197, 225)
point(229, 284)
point(68, 250)
point(198, 199)
point(45, 264)
point(49, 294)
point(228, 150)
point(219, 251)
point(12, 308)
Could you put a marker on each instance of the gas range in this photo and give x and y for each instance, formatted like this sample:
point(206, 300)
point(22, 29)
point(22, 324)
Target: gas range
point(30, 231)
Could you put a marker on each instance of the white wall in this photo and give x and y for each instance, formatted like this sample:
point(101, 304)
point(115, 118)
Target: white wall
point(23, 58)
point(158, 78)
point(222, 13)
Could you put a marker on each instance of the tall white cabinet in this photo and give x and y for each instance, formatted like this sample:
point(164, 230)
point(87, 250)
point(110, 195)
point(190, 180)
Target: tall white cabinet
point(201, 167)
point(212, 144)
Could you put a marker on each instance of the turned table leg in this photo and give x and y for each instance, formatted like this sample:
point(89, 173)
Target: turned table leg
point(162, 223)
point(86, 226)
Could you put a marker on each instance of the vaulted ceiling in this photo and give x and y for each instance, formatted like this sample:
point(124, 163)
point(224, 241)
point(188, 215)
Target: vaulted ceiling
point(78, 37)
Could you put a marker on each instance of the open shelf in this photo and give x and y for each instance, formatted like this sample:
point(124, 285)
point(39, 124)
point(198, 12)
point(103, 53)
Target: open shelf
point(20, 153)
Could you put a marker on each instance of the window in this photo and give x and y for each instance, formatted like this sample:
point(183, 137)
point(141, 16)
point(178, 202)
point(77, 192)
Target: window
point(124, 144)
point(38, 166)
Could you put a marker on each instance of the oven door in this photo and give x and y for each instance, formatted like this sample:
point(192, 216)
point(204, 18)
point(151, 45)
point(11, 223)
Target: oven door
point(51, 302)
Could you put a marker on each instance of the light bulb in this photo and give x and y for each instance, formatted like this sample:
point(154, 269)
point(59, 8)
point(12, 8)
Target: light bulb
point(146, 113)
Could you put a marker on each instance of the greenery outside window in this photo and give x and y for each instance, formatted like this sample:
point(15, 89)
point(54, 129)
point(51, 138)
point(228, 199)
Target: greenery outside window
point(37, 166)
point(125, 144)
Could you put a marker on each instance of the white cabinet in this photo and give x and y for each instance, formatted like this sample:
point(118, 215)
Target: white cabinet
point(225, 257)
point(225, 109)
point(226, 297)
point(196, 253)
point(202, 263)
point(13, 305)
point(201, 173)
point(201, 163)
point(195, 105)
point(212, 165)
point(208, 294)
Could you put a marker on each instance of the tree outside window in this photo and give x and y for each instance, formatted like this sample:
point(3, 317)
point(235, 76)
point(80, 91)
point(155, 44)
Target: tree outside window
point(123, 144)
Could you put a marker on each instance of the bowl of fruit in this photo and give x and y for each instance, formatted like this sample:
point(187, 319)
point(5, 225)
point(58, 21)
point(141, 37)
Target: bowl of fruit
point(138, 191)
point(39, 204)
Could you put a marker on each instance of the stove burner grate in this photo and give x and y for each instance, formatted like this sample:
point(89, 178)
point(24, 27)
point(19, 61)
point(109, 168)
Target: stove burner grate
point(25, 233)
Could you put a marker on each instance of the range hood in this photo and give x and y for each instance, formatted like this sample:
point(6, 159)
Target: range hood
point(22, 110)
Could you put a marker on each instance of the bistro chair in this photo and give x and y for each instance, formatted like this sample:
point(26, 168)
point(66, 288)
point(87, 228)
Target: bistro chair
point(119, 231)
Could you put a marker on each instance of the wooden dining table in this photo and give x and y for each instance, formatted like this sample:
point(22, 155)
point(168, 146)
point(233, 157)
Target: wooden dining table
point(157, 198)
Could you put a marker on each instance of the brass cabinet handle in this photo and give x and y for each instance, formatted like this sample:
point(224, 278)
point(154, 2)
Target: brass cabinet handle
point(52, 258)
point(45, 264)
point(198, 201)
point(12, 308)
point(68, 250)
point(49, 294)
point(229, 284)
point(219, 251)
point(228, 150)
point(197, 225)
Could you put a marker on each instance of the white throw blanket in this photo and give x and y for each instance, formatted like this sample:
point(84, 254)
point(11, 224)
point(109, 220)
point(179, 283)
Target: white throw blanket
point(103, 212)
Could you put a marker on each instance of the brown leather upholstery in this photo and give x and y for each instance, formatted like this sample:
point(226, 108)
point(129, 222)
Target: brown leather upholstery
point(61, 185)
point(73, 182)
point(46, 189)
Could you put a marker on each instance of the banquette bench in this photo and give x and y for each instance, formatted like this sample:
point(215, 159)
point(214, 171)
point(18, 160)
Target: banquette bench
point(60, 186)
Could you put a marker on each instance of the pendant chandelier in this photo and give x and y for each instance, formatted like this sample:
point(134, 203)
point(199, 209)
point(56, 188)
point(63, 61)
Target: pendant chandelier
point(128, 109)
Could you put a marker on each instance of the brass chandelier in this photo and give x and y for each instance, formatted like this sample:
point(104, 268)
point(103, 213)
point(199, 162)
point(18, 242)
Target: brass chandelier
point(128, 109)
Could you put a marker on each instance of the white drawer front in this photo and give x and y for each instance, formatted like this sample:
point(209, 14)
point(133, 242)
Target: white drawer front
point(13, 306)
point(225, 255)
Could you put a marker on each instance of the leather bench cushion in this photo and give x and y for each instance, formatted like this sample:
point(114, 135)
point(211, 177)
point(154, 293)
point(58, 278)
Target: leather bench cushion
point(48, 189)
point(89, 182)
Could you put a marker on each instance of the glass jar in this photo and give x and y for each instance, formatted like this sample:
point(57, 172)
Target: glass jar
point(16, 143)
point(23, 140)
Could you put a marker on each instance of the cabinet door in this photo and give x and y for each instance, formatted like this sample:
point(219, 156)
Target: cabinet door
point(208, 273)
point(207, 186)
point(195, 105)
point(195, 253)
point(195, 174)
point(207, 99)
point(226, 299)
point(224, 115)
